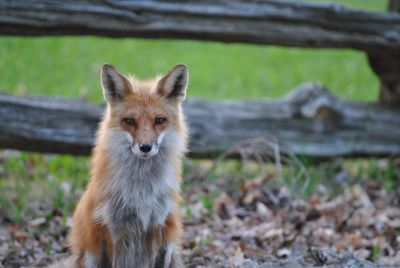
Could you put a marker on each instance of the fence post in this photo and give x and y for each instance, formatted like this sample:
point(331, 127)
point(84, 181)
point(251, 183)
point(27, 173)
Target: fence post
point(387, 67)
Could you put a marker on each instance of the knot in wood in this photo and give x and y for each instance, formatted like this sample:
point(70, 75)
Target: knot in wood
point(323, 108)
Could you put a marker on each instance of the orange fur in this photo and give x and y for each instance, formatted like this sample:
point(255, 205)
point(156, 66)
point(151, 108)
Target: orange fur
point(142, 102)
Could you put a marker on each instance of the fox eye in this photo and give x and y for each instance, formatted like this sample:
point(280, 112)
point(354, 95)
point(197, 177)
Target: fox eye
point(129, 121)
point(160, 120)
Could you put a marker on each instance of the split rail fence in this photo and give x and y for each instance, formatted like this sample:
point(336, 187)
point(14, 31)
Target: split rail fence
point(309, 121)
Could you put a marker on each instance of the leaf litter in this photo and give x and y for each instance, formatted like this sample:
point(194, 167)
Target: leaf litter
point(256, 224)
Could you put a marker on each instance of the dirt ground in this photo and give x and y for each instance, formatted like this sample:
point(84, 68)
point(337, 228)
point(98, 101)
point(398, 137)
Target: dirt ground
point(258, 226)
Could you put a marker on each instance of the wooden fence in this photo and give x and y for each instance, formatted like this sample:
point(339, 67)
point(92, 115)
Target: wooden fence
point(309, 121)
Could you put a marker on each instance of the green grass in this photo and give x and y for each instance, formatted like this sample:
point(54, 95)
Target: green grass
point(33, 185)
point(69, 66)
point(369, 5)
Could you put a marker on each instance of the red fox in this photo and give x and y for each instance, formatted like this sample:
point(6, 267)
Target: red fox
point(129, 216)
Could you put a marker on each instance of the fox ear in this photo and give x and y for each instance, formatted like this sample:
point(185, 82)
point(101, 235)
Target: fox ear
point(173, 84)
point(115, 85)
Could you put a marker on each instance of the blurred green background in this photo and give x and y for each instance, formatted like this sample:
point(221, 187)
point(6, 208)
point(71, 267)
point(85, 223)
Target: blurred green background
point(69, 66)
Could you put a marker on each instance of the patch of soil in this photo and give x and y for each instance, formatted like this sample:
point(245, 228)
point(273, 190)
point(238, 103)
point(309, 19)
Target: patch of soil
point(256, 227)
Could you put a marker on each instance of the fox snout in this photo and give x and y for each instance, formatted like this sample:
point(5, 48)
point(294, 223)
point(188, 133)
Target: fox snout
point(145, 149)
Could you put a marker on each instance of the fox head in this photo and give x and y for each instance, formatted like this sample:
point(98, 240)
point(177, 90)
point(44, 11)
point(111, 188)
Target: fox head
point(145, 116)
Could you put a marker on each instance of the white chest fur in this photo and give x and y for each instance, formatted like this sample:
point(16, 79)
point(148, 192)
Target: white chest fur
point(140, 193)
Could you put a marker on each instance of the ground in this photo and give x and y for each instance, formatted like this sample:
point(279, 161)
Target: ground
point(236, 213)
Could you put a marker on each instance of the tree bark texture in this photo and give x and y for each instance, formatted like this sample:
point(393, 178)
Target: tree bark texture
point(287, 23)
point(386, 65)
point(309, 121)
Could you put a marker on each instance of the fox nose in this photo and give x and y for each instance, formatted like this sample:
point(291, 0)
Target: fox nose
point(145, 148)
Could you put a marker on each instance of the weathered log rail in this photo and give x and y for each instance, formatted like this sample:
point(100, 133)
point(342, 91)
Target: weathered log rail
point(263, 22)
point(309, 121)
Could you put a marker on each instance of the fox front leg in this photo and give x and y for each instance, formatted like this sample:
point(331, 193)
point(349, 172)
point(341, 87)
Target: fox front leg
point(169, 257)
